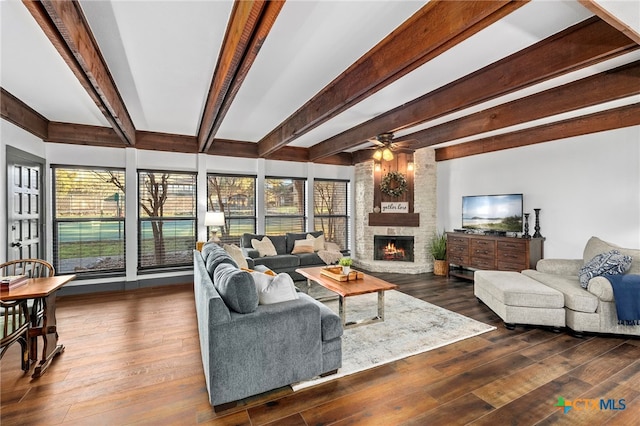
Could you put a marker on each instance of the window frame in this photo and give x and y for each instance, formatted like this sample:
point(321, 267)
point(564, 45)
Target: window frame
point(346, 216)
point(229, 217)
point(305, 207)
point(90, 273)
point(142, 269)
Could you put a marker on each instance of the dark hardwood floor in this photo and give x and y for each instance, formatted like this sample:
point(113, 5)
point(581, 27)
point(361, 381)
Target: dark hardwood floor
point(133, 358)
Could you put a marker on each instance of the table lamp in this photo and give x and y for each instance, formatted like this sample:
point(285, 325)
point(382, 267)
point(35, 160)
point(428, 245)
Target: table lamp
point(215, 219)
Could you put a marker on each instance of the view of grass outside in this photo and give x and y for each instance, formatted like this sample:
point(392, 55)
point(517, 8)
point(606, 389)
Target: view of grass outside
point(167, 218)
point(89, 206)
point(88, 233)
point(285, 207)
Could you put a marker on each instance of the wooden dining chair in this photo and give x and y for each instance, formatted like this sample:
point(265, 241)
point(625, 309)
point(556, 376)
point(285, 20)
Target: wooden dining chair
point(32, 268)
point(14, 327)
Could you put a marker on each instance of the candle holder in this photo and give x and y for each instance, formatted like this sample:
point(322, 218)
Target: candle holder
point(537, 234)
point(526, 226)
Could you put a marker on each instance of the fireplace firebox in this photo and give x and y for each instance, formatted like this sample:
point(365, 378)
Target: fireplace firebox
point(393, 248)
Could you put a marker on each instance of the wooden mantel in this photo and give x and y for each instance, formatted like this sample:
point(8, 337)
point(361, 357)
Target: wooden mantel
point(394, 219)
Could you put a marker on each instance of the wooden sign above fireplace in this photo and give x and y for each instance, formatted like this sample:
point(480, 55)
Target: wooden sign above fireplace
point(398, 168)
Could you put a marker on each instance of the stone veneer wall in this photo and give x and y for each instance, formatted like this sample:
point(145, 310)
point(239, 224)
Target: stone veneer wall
point(424, 203)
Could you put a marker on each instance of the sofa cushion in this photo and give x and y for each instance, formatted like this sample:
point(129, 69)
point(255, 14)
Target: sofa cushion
point(279, 241)
point(265, 247)
point(292, 237)
point(308, 259)
point(514, 289)
point(216, 257)
point(236, 254)
point(302, 246)
point(611, 262)
point(596, 246)
point(575, 297)
point(274, 289)
point(236, 287)
point(285, 261)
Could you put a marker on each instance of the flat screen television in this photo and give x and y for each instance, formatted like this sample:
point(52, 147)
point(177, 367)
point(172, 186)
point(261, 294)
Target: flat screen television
point(495, 213)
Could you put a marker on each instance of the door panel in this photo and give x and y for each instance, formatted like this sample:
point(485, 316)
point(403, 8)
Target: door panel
point(24, 209)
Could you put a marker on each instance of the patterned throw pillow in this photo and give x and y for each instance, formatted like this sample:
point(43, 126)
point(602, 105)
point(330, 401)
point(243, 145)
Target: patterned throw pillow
point(611, 262)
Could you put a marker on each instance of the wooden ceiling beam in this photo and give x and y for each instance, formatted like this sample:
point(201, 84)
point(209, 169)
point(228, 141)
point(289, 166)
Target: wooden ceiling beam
point(435, 28)
point(22, 115)
point(248, 27)
point(581, 45)
point(611, 19)
point(616, 118)
point(63, 22)
point(81, 134)
point(167, 142)
point(608, 86)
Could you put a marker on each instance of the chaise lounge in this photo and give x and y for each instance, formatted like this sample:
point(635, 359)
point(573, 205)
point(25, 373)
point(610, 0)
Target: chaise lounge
point(532, 296)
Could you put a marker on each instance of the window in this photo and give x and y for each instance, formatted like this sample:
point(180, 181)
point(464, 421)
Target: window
point(285, 205)
point(331, 210)
point(167, 216)
point(88, 220)
point(236, 197)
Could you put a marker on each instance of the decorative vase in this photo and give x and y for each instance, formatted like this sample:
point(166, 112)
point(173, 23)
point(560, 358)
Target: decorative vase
point(537, 234)
point(440, 267)
point(346, 270)
point(526, 226)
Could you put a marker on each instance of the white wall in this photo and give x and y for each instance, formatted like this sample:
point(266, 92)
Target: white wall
point(587, 185)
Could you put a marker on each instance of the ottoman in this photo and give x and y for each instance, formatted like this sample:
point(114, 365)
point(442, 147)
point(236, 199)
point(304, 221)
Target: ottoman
point(518, 299)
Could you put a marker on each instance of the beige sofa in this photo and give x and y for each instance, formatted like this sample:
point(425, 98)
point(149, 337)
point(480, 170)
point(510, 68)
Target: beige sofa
point(592, 309)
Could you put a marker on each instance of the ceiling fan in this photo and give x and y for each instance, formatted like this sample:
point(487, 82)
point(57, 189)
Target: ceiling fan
point(386, 146)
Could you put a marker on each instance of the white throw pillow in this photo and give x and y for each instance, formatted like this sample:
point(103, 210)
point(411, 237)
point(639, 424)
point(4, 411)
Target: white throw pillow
point(302, 246)
point(274, 289)
point(318, 242)
point(236, 254)
point(264, 247)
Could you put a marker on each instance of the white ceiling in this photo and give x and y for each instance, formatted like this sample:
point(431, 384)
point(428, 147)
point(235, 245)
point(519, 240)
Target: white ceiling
point(162, 55)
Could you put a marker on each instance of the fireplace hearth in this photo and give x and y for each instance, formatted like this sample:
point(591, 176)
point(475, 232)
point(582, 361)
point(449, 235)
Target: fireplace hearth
point(393, 248)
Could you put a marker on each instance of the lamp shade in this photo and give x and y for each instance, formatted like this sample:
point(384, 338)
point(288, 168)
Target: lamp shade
point(214, 219)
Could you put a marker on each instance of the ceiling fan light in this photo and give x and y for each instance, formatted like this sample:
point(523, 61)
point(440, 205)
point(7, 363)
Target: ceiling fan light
point(387, 155)
point(377, 154)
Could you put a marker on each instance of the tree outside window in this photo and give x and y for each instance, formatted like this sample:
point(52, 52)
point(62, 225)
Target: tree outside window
point(236, 197)
point(167, 218)
point(88, 220)
point(331, 210)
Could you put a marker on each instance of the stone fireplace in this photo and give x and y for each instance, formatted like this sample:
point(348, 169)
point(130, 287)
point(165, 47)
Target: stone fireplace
point(363, 250)
point(393, 248)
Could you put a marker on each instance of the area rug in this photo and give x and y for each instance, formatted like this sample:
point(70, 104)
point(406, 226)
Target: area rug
point(411, 326)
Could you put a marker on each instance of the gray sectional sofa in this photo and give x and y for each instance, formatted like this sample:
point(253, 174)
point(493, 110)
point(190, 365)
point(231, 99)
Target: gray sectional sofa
point(284, 261)
point(249, 348)
point(551, 294)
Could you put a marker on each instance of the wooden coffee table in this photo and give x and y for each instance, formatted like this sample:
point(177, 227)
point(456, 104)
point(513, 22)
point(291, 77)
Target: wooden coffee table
point(344, 289)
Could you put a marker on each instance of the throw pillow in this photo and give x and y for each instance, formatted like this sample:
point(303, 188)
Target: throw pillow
point(274, 289)
point(611, 262)
point(236, 287)
point(264, 247)
point(236, 254)
point(302, 246)
point(318, 242)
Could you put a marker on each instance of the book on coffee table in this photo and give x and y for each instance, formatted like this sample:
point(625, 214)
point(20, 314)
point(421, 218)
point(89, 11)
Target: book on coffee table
point(12, 281)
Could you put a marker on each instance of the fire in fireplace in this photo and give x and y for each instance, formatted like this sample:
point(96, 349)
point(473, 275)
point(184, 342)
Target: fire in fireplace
point(393, 248)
